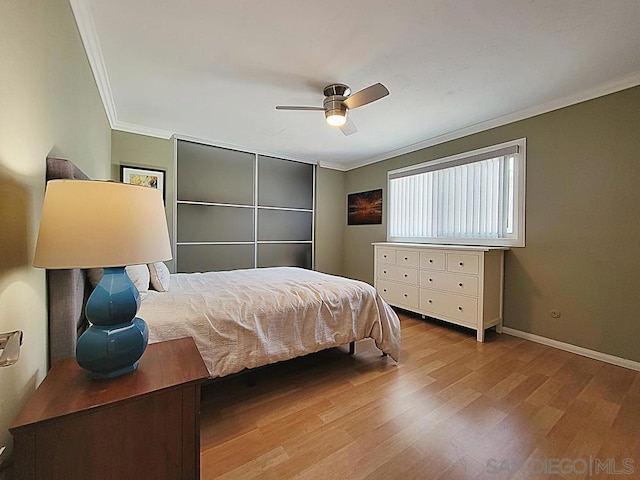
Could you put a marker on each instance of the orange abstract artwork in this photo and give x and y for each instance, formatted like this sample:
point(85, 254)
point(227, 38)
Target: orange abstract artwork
point(365, 208)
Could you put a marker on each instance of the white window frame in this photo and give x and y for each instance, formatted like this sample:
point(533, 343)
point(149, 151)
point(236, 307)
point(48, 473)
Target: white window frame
point(518, 237)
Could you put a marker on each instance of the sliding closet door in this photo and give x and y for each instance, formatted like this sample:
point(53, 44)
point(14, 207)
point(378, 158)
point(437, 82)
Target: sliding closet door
point(215, 211)
point(285, 213)
point(240, 210)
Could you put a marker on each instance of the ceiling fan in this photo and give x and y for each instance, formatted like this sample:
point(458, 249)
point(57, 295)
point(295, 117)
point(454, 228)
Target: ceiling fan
point(338, 101)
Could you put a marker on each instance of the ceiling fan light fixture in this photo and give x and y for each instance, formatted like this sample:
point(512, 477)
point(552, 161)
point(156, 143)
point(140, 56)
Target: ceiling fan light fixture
point(338, 101)
point(336, 118)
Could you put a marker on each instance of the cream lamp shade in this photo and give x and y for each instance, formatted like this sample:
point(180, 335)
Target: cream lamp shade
point(87, 224)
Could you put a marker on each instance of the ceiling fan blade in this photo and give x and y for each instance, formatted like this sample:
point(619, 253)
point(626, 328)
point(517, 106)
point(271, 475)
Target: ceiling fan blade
point(349, 128)
point(292, 107)
point(366, 95)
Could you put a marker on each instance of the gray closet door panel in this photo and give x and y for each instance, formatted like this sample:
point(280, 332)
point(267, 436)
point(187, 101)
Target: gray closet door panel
point(231, 192)
point(211, 223)
point(283, 183)
point(213, 174)
point(285, 255)
point(276, 225)
point(212, 258)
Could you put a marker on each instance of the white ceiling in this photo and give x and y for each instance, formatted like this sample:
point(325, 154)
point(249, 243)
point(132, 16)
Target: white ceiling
point(214, 70)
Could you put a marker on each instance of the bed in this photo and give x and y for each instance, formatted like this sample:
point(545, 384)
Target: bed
point(249, 318)
point(240, 319)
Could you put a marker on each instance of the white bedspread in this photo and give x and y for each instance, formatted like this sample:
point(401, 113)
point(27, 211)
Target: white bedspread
point(249, 318)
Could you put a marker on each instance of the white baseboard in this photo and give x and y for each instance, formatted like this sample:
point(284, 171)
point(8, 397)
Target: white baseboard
point(585, 352)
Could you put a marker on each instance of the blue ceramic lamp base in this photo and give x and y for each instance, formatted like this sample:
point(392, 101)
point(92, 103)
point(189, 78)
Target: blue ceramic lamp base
point(116, 338)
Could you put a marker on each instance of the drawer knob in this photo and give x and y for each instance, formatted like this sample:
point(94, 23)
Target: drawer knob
point(461, 264)
point(430, 301)
point(460, 285)
point(384, 256)
point(405, 295)
point(431, 279)
point(405, 258)
point(405, 275)
point(431, 260)
point(460, 308)
point(384, 289)
point(384, 271)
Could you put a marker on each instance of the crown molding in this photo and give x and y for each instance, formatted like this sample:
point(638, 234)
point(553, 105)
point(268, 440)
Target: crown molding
point(150, 132)
point(600, 91)
point(333, 166)
point(87, 29)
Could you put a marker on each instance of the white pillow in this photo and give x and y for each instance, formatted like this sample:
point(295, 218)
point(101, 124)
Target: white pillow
point(160, 275)
point(139, 275)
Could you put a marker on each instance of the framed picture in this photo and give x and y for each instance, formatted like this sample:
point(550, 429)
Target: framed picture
point(147, 177)
point(364, 208)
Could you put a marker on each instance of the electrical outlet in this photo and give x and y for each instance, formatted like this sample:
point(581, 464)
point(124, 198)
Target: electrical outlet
point(555, 313)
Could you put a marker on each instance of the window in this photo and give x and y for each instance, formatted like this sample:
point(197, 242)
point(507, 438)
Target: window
point(475, 198)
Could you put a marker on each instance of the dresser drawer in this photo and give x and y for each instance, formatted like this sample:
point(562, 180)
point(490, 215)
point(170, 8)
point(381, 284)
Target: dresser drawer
point(458, 307)
point(461, 263)
point(398, 293)
point(432, 260)
point(386, 255)
point(464, 284)
point(400, 274)
point(407, 258)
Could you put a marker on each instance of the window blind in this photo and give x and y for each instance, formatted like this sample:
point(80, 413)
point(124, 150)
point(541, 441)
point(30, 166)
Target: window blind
point(471, 199)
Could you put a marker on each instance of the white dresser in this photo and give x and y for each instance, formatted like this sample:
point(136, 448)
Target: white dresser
point(457, 284)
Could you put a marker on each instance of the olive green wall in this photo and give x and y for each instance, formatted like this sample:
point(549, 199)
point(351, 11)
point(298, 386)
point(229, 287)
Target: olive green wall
point(142, 151)
point(330, 220)
point(50, 106)
point(582, 223)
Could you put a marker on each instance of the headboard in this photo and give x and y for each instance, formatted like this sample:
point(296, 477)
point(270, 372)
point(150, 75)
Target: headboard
point(67, 290)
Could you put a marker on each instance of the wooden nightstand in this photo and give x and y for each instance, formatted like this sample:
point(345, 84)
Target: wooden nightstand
point(141, 425)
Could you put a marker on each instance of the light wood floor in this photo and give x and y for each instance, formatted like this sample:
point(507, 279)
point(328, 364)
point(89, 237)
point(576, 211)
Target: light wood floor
point(451, 409)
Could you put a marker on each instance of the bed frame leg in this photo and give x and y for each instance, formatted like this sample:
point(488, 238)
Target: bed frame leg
point(352, 349)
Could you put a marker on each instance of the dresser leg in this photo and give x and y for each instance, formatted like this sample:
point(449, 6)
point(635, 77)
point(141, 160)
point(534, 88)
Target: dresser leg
point(480, 336)
point(352, 348)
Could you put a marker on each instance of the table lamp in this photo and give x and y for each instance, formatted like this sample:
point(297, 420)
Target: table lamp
point(99, 224)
